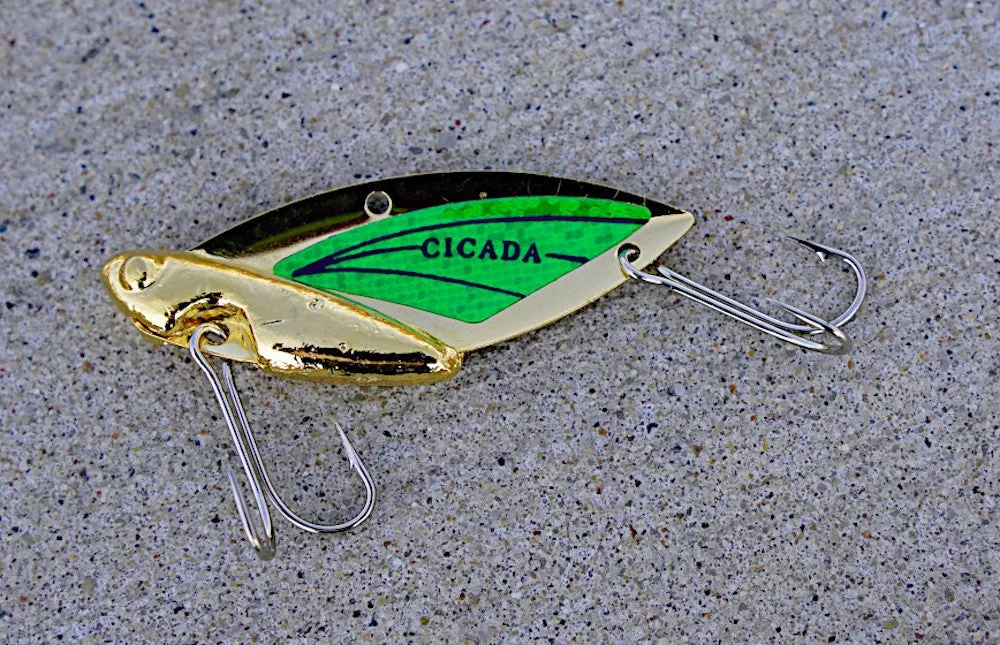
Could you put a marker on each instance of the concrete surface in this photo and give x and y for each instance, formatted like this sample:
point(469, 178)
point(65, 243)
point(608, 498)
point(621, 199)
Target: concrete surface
point(644, 469)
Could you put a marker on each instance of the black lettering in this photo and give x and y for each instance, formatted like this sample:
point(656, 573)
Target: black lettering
point(462, 245)
point(532, 254)
point(425, 248)
point(447, 248)
point(488, 250)
point(511, 250)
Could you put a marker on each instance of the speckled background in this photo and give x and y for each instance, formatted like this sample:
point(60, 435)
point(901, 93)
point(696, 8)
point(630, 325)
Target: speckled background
point(643, 469)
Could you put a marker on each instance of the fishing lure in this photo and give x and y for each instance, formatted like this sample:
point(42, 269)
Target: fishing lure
point(392, 281)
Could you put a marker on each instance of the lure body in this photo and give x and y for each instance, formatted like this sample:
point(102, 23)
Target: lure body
point(393, 280)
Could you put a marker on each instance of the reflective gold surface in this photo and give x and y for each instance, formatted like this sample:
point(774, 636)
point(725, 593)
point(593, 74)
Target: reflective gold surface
point(282, 327)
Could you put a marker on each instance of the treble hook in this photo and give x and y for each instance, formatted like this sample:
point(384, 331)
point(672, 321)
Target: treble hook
point(256, 473)
point(788, 332)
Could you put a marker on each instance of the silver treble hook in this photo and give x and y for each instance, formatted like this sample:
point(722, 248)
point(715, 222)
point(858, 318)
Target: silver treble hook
point(788, 332)
point(256, 473)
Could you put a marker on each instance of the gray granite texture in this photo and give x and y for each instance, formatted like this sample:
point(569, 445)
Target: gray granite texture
point(644, 469)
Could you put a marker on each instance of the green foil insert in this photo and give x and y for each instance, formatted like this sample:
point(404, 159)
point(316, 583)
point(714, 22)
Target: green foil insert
point(468, 260)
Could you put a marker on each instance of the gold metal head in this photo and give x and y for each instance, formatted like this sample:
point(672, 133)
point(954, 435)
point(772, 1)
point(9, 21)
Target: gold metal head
point(280, 326)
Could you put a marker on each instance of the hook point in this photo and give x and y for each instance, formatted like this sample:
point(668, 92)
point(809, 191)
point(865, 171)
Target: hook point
point(352, 454)
point(823, 252)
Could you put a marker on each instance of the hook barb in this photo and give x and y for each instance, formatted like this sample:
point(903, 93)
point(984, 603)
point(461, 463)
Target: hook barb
point(793, 333)
point(257, 477)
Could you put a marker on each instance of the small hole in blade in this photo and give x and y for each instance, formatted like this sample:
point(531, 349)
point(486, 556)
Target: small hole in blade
point(378, 203)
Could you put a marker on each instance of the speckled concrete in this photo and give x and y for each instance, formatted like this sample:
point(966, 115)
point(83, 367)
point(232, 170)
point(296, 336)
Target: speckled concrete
point(640, 470)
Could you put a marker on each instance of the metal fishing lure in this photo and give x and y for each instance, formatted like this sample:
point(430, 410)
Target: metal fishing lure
point(392, 281)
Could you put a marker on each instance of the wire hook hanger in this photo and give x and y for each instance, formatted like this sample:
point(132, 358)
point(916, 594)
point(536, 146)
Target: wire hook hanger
point(788, 332)
point(257, 477)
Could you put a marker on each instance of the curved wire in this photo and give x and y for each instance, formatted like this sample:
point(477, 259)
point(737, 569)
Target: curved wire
point(264, 547)
point(256, 473)
point(785, 331)
point(822, 252)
